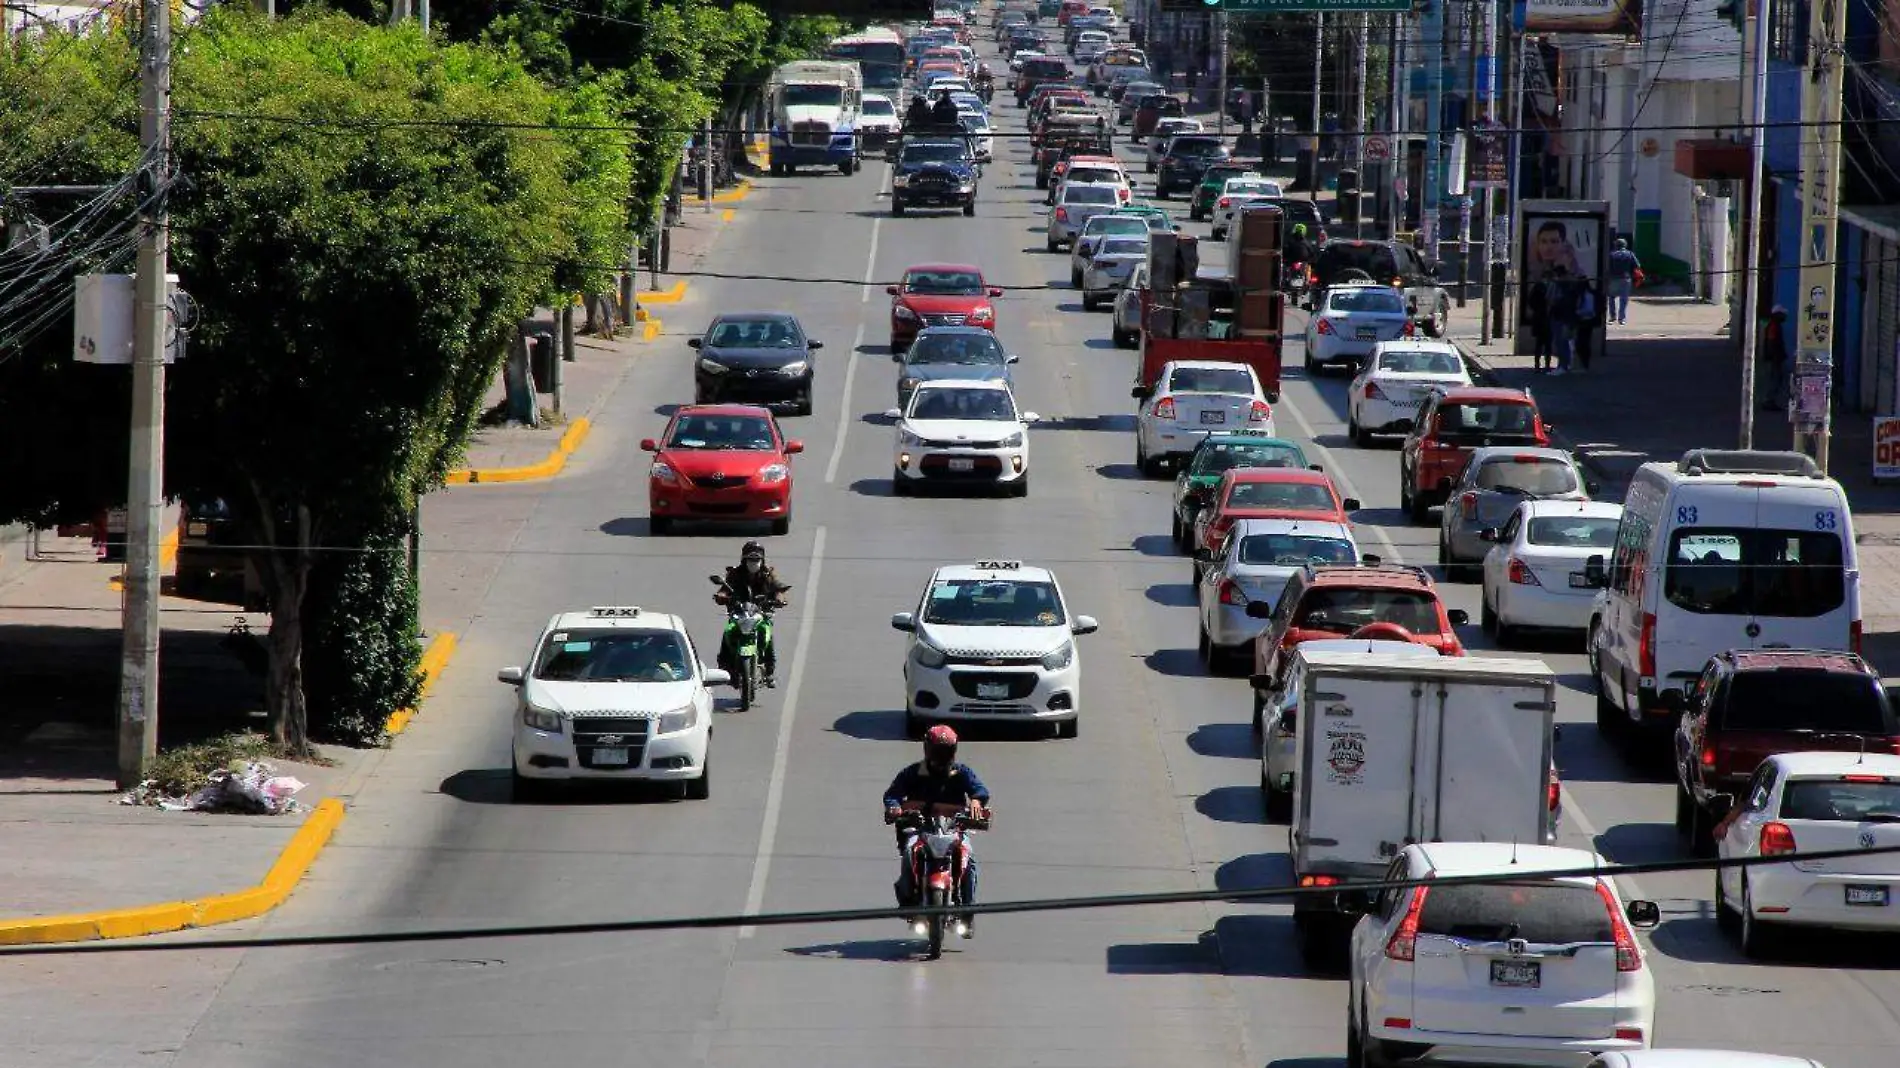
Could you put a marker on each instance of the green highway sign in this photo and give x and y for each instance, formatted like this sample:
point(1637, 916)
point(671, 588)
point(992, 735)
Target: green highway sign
point(1272, 6)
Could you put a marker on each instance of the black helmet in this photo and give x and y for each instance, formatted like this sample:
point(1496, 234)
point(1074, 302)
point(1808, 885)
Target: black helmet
point(752, 549)
point(940, 748)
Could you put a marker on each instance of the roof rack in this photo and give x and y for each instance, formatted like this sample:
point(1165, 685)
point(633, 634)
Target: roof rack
point(1748, 462)
point(1407, 569)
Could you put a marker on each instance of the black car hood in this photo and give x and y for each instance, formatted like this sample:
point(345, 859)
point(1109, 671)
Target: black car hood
point(776, 356)
point(959, 171)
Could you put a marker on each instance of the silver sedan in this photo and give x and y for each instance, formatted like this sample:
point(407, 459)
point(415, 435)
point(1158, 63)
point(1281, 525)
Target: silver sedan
point(1114, 262)
point(1494, 481)
point(1254, 564)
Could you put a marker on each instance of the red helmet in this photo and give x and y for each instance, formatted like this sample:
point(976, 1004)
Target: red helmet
point(1384, 632)
point(940, 747)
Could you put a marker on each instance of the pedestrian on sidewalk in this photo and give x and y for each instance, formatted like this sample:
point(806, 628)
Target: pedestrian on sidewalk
point(1623, 268)
point(1591, 313)
point(1772, 367)
point(1561, 304)
point(1537, 317)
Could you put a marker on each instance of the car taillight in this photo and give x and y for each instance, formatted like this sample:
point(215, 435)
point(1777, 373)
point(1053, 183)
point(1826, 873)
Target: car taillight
point(1062, 215)
point(1397, 282)
point(1232, 594)
point(1324, 326)
point(1259, 413)
point(1629, 1034)
point(1411, 328)
point(1468, 504)
point(1629, 958)
point(1311, 278)
point(1646, 647)
point(1404, 942)
point(1125, 195)
point(1553, 793)
point(1776, 839)
point(1164, 408)
point(1319, 880)
point(1226, 201)
point(1707, 756)
point(1522, 575)
point(1373, 392)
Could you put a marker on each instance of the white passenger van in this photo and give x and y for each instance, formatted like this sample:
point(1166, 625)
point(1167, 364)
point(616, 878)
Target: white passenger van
point(1718, 551)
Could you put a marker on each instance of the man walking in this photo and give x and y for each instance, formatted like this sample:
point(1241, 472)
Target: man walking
point(1623, 268)
point(1772, 368)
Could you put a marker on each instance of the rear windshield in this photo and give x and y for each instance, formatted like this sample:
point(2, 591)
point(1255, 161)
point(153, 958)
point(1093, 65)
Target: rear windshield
point(1558, 914)
point(1089, 195)
point(1344, 609)
point(1486, 420)
point(1532, 476)
point(1094, 174)
point(1837, 799)
point(1046, 68)
point(1734, 572)
point(1295, 550)
point(1194, 146)
point(1366, 300)
point(1214, 459)
point(1799, 699)
point(1124, 246)
point(1375, 260)
point(1116, 224)
point(1575, 532)
point(1292, 496)
point(1210, 380)
point(1420, 361)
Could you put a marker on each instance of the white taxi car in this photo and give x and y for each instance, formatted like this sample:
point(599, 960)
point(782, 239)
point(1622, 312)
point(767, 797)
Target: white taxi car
point(994, 641)
point(1351, 319)
point(1812, 802)
point(613, 694)
point(1240, 193)
point(962, 431)
point(1541, 969)
point(1385, 396)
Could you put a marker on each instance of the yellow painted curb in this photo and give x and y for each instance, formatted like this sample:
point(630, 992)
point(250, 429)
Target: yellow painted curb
point(434, 659)
point(167, 556)
point(283, 877)
point(734, 196)
point(726, 215)
point(673, 294)
point(548, 468)
point(651, 330)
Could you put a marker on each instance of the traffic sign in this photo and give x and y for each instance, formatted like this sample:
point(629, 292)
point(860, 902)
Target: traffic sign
point(1274, 6)
point(1377, 150)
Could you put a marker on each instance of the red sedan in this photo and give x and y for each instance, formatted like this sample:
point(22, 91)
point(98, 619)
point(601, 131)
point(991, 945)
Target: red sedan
point(724, 463)
point(940, 294)
point(1267, 493)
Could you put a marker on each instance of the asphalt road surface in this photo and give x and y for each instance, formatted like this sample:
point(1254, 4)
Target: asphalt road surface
point(1158, 792)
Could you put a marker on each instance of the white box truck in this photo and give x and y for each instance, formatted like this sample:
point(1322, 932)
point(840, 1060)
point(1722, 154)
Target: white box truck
point(1395, 750)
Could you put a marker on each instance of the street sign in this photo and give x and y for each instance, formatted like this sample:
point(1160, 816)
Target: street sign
point(1272, 6)
point(1377, 150)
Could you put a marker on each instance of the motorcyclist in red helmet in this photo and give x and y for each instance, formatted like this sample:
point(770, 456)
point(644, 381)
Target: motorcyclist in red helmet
point(936, 780)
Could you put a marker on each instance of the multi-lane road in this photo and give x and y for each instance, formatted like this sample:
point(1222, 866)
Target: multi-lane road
point(1157, 793)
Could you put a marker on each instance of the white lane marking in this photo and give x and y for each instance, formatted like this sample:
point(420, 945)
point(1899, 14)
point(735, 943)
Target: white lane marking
point(870, 261)
point(775, 793)
point(844, 412)
point(1338, 472)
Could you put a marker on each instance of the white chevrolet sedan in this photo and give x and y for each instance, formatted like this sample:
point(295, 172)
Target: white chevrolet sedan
point(1393, 384)
point(962, 432)
point(1533, 575)
point(613, 694)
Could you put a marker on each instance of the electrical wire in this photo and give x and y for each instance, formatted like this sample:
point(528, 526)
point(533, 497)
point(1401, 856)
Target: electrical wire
point(1246, 895)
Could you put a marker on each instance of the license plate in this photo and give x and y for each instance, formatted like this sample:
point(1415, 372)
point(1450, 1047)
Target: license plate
point(1579, 580)
point(1516, 973)
point(992, 691)
point(1213, 417)
point(610, 756)
point(196, 530)
point(964, 464)
point(1366, 333)
point(1867, 895)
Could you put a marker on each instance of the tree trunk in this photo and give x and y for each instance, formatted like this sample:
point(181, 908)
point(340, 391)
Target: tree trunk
point(286, 580)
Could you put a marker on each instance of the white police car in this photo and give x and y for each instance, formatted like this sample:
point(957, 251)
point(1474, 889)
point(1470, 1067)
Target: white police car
point(992, 640)
point(613, 694)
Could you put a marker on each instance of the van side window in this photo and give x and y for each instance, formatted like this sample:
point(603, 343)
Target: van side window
point(1631, 555)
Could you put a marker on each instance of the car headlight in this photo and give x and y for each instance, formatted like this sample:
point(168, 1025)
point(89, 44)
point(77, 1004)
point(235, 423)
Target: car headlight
point(1060, 658)
point(1014, 441)
point(905, 385)
point(906, 438)
point(983, 315)
point(900, 179)
point(902, 312)
point(680, 719)
point(664, 474)
point(713, 367)
point(928, 655)
point(795, 368)
point(541, 719)
point(771, 474)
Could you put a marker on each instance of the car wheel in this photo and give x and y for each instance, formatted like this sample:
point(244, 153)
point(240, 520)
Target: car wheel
point(701, 788)
point(1758, 939)
point(1197, 214)
point(1020, 488)
point(1278, 802)
point(1360, 435)
point(1487, 616)
point(660, 526)
point(1075, 279)
point(1685, 811)
point(1120, 337)
point(1069, 728)
point(848, 167)
point(1435, 326)
point(897, 207)
point(1219, 233)
point(915, 725)
point(1177, 532)
point(804, 404)
point(1416, 506)
point(1204, 648)
point(525, 791)
point(1090, 303)
point(1611, 722)
point(1259, 713)
point(1053, 245)
point(900, 486)
point(969, 207)
point(782, 525)
point(1355, 1040)
point(1727, 920)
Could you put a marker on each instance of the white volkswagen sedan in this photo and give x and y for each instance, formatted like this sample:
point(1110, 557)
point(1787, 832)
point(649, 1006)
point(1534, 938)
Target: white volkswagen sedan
point(1114, 261)
point(1189, 400)
point(1533, 575)
point(962, 432)
point(1353, 318)
point(1393, 384)
point(992, 640)
point(613, 694)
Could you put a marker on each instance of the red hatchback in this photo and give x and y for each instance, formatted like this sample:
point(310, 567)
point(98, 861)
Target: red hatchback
point(1266, 493)
point(940, 294)
point(1451, 423)
point(724, 463)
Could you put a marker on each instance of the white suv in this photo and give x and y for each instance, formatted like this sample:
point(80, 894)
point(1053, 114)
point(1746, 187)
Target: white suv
point(992, 640)
point(1537, 969)
point(962, 432)
point(613, 694)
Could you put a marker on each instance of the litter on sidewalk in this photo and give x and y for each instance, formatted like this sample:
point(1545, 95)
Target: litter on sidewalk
point(257, 790)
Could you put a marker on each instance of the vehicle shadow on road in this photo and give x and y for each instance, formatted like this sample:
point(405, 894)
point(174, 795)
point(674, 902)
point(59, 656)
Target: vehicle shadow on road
point(492, 786)
point(628, 527)
point(1233, 804)
point(1101, 344)
point(1177, 663)
point(888, 950)
point(1383, 517)
point(872, 725)
point(1154, 545)
point(1233, 740)
point(666, 410)
point(1690, 934)
point(877, 418)
point(873, 487)
point(1254, 871)
point(1252, 946)
point(1171, 594)
point(1636, 843)
point(1584, 755)
point(1111, 424)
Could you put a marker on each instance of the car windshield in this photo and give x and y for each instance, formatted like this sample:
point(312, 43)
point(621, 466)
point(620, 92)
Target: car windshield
point(1088, 194)
point(1194, 146)
point(1533, 476)
point(1838, 800)
point(937, 153)
point(1740, 572)
point(1123, 246)
point(1218, 175)
point(613, 656)
point(1344, 609)
point(747, 432)
point(944, 283)
point(1295, 550)
point(753, 334)
point(1805, 699)
point(1574, 531)
point(1420, 362)
point(1211, 380)
point(1365, 299)
point(879, 107)
point(993, 603)
point(827, 96)
point(1289, 496)
point(1158, 222)
point(1217, 457)
point(966, 349)
point(1487, 419)
point(1548, 914)
point(991, 405)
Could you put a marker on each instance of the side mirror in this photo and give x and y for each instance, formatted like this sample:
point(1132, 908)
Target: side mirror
point(1643, 914)
point(794, 447)
point(814, 345)
point(996, 291)
point(716, 580)
point(893, 413)
point(1371, 559)
point(892, 290)
point(1012, 359)
point(1458, 616)
point(904, 621)
point(715, 676)
point(1672, 701)
point(1314, 467)
point(695, 343)
point(1594, 576)
point(1351, 504)
point(1488, 534)
point(1031, 417)
point(649, 445)
point(1262, 681)
point(1259, 610)
point(1085, 625)
point(1721, 801)
point(1139, 393)
point(510, 675)
point(1592, 486)
point(1204, 554)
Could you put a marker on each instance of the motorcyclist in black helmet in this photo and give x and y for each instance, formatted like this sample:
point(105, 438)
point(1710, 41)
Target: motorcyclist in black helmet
point(752, 580)
point(918, 116)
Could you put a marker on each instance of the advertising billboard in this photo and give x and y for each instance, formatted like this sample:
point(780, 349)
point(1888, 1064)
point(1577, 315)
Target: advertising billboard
point(1622, 18)
point(1562, 253)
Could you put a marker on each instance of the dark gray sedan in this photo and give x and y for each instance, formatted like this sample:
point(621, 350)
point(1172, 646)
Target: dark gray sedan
point(1495, 480)
point(755, 358)
point(963, 352)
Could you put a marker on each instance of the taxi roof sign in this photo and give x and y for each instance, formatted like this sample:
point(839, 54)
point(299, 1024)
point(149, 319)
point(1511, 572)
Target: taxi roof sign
point(999, 565)
point(613, 612)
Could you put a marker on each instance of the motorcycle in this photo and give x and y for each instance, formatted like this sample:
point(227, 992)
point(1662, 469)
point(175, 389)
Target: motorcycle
point(748, 629)
point(1298, 281)
point(938, 858)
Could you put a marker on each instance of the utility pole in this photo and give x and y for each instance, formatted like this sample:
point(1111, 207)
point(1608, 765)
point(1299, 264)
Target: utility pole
point(1750, 258)
point(422, 13)
point(1319, 73)
point(1519, 50)
point(1821, 132)
point(1399, 154)
point(1434, 46)
point(1221, 104)
point(1359, 156)
point(145, 499)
